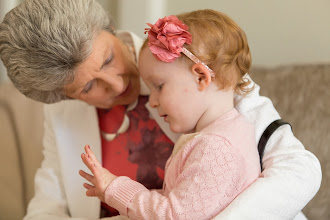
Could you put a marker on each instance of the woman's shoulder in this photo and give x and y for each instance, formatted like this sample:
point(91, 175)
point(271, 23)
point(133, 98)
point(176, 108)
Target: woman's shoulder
point(66, 106)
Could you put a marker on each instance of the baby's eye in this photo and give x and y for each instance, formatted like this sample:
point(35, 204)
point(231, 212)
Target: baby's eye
point(159, 87)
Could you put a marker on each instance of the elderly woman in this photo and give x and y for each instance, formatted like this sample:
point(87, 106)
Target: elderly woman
point(68, 50)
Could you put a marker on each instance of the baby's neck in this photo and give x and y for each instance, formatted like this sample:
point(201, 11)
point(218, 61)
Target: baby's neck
point(219, 104)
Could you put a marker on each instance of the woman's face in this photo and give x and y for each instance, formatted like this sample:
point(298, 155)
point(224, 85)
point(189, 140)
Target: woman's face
point(108, 77)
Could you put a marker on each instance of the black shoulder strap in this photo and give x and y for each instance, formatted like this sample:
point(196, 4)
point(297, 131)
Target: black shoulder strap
point(266, 135)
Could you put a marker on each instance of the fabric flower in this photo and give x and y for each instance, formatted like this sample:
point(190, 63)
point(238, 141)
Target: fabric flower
point(167, 37)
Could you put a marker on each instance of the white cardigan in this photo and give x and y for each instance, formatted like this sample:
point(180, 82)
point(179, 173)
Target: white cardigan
point(291, 177)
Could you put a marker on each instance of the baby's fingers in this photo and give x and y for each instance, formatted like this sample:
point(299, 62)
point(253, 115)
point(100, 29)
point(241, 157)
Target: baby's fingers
point(87, 176)
point(91, 155)
point(87, 161)
point(91, 190)
point(87, 186)
point(94, 168)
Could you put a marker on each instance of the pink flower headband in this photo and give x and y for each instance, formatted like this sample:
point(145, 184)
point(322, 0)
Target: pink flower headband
point(167, 37)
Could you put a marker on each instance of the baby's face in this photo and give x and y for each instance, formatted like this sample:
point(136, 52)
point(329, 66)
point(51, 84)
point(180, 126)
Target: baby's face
point(173, 91)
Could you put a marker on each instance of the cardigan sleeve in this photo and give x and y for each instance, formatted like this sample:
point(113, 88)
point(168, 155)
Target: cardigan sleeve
point(210, 177)
point(291, 175)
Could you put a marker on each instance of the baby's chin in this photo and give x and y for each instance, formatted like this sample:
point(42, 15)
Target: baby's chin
point(180, 130)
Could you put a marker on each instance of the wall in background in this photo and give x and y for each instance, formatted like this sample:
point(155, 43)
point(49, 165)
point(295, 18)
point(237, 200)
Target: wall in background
point(5, 6)
point(279, 32)
point(111, 6)
point(133, 15)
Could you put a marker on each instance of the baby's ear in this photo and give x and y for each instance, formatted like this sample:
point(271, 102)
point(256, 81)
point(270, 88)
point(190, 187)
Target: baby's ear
point(203, 76)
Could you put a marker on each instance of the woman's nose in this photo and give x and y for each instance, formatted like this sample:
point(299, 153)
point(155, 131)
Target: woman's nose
point(114, 83)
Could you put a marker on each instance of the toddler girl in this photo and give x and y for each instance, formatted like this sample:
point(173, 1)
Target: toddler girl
point(192, 64)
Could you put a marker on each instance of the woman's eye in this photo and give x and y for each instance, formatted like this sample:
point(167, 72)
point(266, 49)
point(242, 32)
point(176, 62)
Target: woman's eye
point(88, 87)
point(108, 60)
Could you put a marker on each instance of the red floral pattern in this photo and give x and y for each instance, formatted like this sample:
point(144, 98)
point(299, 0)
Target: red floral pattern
point(141, 152)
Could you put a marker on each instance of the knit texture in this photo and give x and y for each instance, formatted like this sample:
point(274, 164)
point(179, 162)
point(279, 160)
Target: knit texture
point(201, 177)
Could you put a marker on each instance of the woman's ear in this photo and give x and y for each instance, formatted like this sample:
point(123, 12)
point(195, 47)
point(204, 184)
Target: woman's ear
point(202, 74)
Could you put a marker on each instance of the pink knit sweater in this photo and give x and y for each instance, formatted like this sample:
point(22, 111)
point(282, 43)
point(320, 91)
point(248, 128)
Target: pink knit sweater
point(205, 172)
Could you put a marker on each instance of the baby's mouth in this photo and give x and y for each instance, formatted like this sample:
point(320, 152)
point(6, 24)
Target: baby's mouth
point(164, 116)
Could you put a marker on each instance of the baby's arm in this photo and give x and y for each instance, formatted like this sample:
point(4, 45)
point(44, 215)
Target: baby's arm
point(291, 175)
point(210, 176)
point(209, 179)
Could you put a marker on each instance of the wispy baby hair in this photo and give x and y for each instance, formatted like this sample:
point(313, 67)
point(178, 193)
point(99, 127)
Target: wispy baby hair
point(222, 45)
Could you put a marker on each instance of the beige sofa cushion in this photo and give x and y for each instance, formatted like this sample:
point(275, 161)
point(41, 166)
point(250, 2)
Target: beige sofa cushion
point(21, 133)
point(11, 181)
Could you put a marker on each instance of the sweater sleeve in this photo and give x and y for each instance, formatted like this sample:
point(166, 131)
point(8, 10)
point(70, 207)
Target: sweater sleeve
point(291, 175)
point(211, 174)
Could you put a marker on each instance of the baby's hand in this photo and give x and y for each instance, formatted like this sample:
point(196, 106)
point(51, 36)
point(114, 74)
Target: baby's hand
point(101, 179)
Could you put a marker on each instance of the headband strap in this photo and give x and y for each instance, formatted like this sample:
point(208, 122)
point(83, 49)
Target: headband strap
point(166, 39)
point(196, 60)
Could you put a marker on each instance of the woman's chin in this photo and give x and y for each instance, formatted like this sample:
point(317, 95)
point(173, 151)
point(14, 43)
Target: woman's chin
point(126, 100)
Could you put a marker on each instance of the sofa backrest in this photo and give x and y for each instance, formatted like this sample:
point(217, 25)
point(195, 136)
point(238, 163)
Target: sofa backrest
point(21, 130)
point(301, 94)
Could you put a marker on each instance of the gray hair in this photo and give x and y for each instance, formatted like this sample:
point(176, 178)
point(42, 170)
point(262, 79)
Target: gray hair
point(42, 41)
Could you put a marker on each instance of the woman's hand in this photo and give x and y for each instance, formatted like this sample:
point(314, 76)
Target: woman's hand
point(102, 177)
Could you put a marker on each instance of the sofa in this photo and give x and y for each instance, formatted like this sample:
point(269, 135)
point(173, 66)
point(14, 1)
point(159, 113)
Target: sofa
point(21, 130)
point(300, 93)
